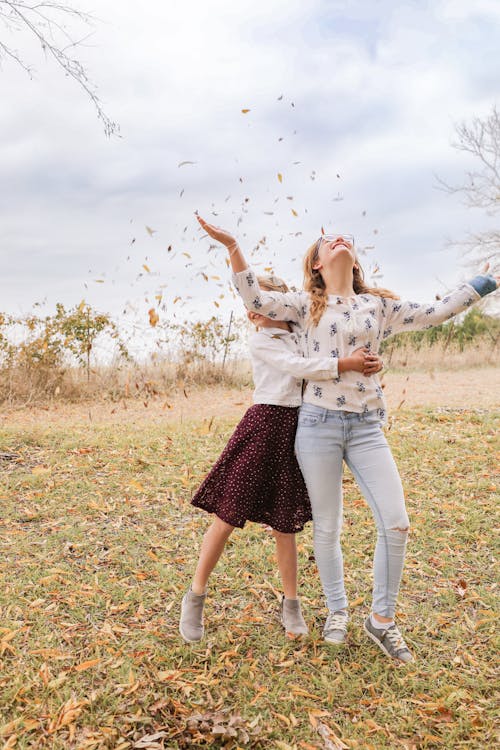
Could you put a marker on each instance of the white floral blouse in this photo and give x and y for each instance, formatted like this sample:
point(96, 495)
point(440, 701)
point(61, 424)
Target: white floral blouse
point(346, 325)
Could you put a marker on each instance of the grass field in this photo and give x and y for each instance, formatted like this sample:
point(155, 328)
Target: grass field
point(98, 541)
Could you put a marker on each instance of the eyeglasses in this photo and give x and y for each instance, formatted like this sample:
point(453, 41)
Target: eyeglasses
point(349, 238)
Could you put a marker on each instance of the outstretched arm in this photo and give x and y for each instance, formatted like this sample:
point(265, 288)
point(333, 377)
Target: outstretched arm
point(414, 316)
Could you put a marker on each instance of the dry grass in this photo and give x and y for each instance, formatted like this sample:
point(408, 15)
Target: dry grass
point(117, 382)
point(483, 353)
point(98, 541)
point(163, 379)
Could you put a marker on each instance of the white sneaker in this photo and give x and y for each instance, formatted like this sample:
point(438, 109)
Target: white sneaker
point(335, 629)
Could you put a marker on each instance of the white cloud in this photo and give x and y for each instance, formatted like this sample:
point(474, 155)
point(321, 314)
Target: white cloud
point(376, 92)
point(462, 10)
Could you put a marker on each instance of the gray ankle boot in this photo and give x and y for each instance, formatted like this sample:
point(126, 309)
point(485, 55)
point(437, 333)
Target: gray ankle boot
point(291, 617)
point(191, 622)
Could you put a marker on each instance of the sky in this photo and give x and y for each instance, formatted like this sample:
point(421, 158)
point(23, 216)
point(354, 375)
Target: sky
point(352, 109)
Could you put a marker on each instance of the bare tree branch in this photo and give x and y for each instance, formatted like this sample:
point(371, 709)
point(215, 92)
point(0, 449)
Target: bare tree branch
point(46, 21)
point(481, 188)
point(481, 139)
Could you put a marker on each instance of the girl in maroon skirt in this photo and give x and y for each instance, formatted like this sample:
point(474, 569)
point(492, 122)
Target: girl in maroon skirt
point(257, 477)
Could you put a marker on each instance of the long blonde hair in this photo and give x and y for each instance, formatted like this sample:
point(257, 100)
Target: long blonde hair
point(315, 285)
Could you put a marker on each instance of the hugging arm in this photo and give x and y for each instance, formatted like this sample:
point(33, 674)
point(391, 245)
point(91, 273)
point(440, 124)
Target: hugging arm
point(314, 368)
point(304, 368)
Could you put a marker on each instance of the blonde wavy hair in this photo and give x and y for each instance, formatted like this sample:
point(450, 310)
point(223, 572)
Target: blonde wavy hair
point(272, 284)
point(314, 284)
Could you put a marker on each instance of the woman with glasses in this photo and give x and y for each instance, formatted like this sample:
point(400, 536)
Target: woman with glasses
point(341, 420)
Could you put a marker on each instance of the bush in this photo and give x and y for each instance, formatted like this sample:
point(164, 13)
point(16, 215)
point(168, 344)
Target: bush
point(474, 327)
point(48, 346)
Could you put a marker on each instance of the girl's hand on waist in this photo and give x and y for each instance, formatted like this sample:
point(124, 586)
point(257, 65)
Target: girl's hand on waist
point(372, 364)
point(361, 360)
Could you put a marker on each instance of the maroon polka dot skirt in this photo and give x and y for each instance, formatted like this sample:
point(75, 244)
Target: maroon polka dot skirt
point(257, 477)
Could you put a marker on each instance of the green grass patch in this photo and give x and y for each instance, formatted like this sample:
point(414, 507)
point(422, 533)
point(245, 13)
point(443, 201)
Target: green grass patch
point(98, 542)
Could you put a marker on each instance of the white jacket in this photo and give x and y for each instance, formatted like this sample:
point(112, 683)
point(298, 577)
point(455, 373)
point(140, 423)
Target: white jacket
point(279, 367)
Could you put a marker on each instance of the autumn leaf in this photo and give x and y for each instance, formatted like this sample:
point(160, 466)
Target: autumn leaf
point(332, 742)
point(356, 603)
point(153, 317)
point(146, 268)
point(245, 111)
point(41, 470)
point(67, 714)
point(280, 177)
point(87, 665)
point(137, 485)
point(150, 231)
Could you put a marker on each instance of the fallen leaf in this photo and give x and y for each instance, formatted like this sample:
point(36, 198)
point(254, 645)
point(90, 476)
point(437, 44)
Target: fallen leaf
point(86, 665)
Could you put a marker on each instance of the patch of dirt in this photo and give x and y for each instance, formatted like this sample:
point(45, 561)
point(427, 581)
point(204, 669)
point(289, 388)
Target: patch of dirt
point(475, 388)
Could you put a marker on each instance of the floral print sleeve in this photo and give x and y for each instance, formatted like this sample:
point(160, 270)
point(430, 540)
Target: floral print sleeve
point(415, 316)
point(291, 306)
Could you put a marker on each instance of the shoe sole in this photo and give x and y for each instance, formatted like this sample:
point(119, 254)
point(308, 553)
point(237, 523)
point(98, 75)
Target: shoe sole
point(291, 632)
point(383, 648)
point(189, 640)
point(334, 643)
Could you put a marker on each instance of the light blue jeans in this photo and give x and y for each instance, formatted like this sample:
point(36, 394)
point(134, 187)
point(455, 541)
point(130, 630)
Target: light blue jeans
point(326, 438)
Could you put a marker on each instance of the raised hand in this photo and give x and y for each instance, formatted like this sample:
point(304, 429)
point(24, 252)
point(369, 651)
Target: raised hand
point(218, 234)
point(236, 258)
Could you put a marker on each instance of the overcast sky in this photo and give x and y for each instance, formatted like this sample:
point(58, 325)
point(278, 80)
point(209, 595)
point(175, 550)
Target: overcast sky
point(353, 103)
